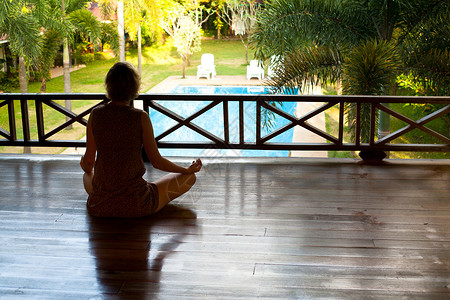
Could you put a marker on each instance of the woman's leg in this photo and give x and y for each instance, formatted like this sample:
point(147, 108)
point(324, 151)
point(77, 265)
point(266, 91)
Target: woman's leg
point(87, 181)
point(172, 186)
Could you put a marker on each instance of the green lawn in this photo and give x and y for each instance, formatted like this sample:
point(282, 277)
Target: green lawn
point(158, 63)
point(417, 136)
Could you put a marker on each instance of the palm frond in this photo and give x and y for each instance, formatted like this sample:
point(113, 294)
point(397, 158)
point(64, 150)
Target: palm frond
point(51, 44)
point(22, 29)
point(370, 68)
point(314, 64)
point(55, 20)
point(284, 25)
point(86, 23)
point(74, 5)
point(110, 36)
point(40, 10)
point(432, 70)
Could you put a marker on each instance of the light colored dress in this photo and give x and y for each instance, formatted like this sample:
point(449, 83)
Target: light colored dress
point(118, 187)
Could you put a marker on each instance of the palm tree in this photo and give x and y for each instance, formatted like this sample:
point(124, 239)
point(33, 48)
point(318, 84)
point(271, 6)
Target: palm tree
point(58, 27)
point(52, 42)
point(331, 40)
point(19, 23)
point(73, 19)
point(131, 16)
point(136, 14)
point(121, 30)
point(426, 46)
point(76, 20)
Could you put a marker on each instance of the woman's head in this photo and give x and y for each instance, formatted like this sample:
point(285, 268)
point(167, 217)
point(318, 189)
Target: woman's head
point(122, 82)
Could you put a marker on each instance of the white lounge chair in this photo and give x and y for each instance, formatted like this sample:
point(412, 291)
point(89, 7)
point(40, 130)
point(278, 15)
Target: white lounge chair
point(207, 68)
point(255, 69)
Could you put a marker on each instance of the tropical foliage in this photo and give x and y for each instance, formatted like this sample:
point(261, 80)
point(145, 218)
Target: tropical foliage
point(19, 24)
point(137, 14)
point(36, 30)
point(21, 27)
point(362, 43)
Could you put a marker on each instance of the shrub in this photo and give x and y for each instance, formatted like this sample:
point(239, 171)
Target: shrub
point(8, 84)
point(100, 56)
point(87, 58)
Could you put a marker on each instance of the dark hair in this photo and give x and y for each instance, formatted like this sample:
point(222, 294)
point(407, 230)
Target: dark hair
point(122, 82)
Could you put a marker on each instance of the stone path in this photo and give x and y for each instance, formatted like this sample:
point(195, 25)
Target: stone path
point(58, 71)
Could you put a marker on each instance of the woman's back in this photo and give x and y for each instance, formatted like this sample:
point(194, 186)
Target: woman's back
point(119, 167)
point(118, 136)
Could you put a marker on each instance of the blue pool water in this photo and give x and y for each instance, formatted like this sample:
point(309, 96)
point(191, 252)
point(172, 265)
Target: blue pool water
point(212, 121)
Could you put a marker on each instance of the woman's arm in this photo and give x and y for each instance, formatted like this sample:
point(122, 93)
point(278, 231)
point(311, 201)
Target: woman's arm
point(155, 157)
point(88, 159)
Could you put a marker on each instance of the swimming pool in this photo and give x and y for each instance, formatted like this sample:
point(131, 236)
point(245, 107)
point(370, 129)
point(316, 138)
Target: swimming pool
point(213, 122)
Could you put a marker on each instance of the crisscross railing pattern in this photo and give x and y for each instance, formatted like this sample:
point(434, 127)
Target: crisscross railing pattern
point(11, 134)
point(259, 141)
point(420, 124)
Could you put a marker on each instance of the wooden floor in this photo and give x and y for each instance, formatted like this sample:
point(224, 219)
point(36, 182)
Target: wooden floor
point(261, 228)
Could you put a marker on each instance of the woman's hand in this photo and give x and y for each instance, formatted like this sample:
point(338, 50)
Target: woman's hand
point(86, 166)
point(195, 166)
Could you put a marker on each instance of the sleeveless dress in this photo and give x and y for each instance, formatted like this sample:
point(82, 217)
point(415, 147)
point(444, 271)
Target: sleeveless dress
point(118, 187)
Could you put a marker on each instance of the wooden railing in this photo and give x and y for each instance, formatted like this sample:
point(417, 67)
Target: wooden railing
point(258, 141)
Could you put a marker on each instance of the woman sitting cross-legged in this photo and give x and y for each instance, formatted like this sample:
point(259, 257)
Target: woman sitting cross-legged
point(116, 132)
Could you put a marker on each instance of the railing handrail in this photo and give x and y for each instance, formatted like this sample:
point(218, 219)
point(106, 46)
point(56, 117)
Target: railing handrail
point(259, 143)
point(236, 97)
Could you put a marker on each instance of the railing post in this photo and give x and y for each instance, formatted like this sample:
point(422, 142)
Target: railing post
point(373, 113)
point(384, 124)
point(226, 122)
point(25, 124)
point(341, 123)
point(40, 120)
point(372, 156)
point(258, 122)
point(241, 122)
point(12, 121)
point(358, 125)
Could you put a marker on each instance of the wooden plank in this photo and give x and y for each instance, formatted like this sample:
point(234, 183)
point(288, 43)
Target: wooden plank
point(256, 229)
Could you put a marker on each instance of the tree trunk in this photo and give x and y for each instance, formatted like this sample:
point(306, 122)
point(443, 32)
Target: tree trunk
point(43, 85)
point(338, 87)
point(246, 48)
point(184, 67)
point(66, 67)
point(246, 54)
point(9, 61)
point(22, 76)
point(66, 72)
point(139, 51)
point(23, 87)
point(121, 29)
